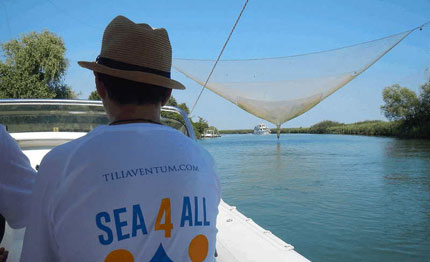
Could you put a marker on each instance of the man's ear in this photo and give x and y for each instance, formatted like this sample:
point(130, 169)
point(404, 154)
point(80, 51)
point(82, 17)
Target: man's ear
point(167, 98)
point(99, 86)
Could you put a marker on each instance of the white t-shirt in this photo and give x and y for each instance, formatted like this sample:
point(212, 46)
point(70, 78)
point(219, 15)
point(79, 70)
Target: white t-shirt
point(16, 181)
point(140, 191)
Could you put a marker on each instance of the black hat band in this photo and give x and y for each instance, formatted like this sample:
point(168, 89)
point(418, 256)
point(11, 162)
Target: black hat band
point(129, 67)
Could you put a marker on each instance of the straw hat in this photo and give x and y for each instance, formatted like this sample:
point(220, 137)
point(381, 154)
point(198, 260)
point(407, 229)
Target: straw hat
point(135, 52)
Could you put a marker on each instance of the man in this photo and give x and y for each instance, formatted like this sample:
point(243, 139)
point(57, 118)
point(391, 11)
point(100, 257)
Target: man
point(134, 190)
point(16, 181)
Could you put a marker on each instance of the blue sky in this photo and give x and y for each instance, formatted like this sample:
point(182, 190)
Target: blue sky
point(268, 28)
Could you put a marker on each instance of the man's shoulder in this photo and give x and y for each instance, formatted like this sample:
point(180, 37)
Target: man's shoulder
point(61, 152)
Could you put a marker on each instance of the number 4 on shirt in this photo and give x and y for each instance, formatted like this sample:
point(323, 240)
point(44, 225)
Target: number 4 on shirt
point(167, 226)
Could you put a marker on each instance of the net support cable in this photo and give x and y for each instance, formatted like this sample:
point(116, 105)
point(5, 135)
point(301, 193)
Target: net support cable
point(219, 56)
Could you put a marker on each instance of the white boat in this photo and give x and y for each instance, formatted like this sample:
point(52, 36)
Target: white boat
point(238, 239)
point(210, 133)
point(261, 129)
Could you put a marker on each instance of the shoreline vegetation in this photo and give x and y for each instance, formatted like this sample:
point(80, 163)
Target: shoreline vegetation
point(365, 128)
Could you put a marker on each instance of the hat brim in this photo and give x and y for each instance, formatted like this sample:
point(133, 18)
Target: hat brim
point(136, 76)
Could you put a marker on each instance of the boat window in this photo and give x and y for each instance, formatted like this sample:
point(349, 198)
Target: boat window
point(58, 117)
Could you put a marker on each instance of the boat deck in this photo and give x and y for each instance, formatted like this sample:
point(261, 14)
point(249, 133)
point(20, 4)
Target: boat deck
point(241, 239)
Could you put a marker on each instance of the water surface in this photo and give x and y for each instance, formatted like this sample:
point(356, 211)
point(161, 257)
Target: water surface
point(334, 197)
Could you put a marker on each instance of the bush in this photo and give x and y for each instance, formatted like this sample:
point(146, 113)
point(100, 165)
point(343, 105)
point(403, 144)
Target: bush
point(322, 127)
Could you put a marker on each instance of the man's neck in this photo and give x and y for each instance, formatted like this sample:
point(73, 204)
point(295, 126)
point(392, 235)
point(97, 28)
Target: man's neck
point(123, 114)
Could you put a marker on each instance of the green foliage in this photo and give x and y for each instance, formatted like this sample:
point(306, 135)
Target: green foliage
point(200, 126)
point(65, 92)
point(422, 124)
point(94, 96)
point(411, 112)
point(400, 103)
point(293, 130)
point(238, 131)
point(34, 67)
point(184, 107)
point(321, 127)
point(196, 132)
point(368, 128)
point(172, 102)
point(424, 103)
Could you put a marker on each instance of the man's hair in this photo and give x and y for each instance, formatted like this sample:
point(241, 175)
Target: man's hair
point(124, 91)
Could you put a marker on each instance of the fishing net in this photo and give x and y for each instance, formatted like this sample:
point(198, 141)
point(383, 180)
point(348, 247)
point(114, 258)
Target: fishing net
point(279, 89)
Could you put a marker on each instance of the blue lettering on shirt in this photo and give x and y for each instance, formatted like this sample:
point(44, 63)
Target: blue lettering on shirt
point(205, 223)
point(196, 212)
point(143, 171)
point(120, 224)
point(138, 221)
point(114, 225)
point(186, 212)
point(107, 230)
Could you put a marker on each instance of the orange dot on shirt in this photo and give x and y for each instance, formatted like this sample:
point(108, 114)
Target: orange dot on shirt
point(198, 248)
point(119, 255)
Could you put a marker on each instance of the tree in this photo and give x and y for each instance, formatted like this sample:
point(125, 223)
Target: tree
point(321, 127)
point(200, 125)
point(94, 96)
point(172, 102)
point(184, 107)
point(34, 67)
point(424, 103)
point(400, 103)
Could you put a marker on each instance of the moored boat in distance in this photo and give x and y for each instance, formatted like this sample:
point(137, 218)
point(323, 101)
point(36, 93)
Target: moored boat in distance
point(210, 133)
point(261, 129)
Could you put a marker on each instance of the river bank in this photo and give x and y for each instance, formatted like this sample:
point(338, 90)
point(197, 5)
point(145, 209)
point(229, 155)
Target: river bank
point(400, 129)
